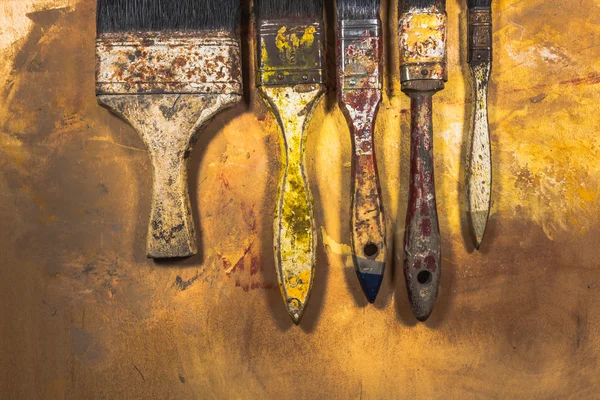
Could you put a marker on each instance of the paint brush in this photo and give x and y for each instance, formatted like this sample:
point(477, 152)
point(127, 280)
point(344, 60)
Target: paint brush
point(167, 68)
point(360, 72)
point(479, 157)
point(422, 30)
point(290, 79)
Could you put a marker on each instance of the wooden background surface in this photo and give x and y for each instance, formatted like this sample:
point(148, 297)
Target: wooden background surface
point(83, 314)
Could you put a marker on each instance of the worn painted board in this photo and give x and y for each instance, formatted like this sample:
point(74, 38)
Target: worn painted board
point(84, 314)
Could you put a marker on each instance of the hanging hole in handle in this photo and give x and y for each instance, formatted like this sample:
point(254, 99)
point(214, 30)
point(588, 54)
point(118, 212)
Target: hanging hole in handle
point(371, 250)
point(424, 277)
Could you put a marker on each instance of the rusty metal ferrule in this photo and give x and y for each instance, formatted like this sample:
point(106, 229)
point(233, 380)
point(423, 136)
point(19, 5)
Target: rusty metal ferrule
point(480, 35)
point(423, 45)
point(360, 54)
point(290, 53)
point(168, 63)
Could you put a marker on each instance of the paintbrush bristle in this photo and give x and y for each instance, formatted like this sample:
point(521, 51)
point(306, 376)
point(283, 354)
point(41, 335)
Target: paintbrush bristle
point(288, 9)
point(479, 3)
point(405, 5)
point(167, 15)
point(358, 9)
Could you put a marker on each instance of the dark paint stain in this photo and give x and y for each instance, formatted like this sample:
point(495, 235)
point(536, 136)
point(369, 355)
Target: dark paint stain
point(88, 268)
point(253, 286)
point(86, 348)
point(43, 20)
point(255, 265)
point(581, 323)
point(538, 98)
point(184, 285)
point(223, 179)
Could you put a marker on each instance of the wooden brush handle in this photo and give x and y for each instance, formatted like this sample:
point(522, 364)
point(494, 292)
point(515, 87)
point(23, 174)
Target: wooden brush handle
point(479, 157)
point(171, 229)
point(168, 125)
point(360, 82)
point(422, 242)
point(479, 163)
point(294, 226)
point(368, 227)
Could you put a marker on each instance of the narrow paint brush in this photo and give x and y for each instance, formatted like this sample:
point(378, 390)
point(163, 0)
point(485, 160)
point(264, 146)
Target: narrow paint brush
point(423, 72)
point(167, 67)
point(479, 157)
point(360, 72)
point(290, 79)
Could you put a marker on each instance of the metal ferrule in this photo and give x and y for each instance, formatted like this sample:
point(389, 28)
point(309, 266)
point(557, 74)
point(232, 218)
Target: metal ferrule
point(168, 63)
point(360, 54)
point(480, 35)
point(290, 53)
point(423, 45)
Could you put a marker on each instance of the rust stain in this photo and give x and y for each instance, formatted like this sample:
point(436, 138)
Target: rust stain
point(186, 78)
point(422, 41)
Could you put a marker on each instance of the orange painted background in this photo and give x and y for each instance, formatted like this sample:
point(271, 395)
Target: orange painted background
point(84, 315)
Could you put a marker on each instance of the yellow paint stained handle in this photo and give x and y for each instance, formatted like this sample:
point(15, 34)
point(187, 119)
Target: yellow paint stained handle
point(294, 226)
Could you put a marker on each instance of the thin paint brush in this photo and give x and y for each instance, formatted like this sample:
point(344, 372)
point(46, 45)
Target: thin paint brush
point(167, 67)
point(290, 79)
point(423, 72)
point(360, 72)
point(479, 157)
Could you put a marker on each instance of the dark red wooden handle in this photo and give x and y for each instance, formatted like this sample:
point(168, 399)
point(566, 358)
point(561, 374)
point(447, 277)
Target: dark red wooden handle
point(422, 244)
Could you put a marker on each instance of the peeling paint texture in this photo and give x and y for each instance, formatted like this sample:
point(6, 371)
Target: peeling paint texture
point(422, 241)
point(168, 86)
point(150, 62)
point(423, 71)
point(360, 55)
point(478, 160)
point(289, 77)
point(168, 125)
point(479, 163)
point(423, 45)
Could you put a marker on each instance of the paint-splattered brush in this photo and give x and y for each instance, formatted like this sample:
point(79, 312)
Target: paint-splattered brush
point(360, 71)
point(167, 67)
point(479, 157)
point(423, 72)
point(290, 79)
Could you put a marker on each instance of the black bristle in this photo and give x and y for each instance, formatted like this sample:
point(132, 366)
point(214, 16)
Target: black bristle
point(479, 3)
point(167, 15)
point(286, 9)
point(358, 9)
point(405, 5)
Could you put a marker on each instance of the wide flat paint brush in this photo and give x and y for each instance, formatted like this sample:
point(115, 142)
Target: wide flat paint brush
point(360, 72)
point(290, 79)
point(167, 67)
point(479, 157)
point(423, 71)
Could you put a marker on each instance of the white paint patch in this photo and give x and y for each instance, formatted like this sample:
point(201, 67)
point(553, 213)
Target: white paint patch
point(523, 57)
point(533, 56)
